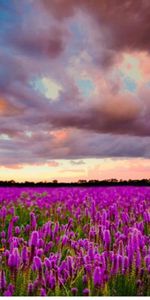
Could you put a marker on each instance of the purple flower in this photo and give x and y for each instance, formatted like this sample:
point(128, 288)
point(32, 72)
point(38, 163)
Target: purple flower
point(27, 228)
point(8, 293)
point(107, 238)
point(138, 259)
point(47, 263)
point(3, 234)
point(56, 228)
point(147, 260)
point(17, 230)
point(30, 289)
point(40, 243)
point(97, 277)
point(35, 285)
point(3, 212)
point(64, 240)
point(34, 239)
point(91, 253)
point(88, 269)
point(125, 263)
point(24, 255)
point(84, 279)
point(14, 259)
point(15, 219)
point(2, 280)
point(39, 252)
point(74, 291)
point(86, 292)
point(3, 241)
point(43, 292)
point(48, 247)
point(37, 263)
point(10, 229)
point(52, 282)
point(33, 221)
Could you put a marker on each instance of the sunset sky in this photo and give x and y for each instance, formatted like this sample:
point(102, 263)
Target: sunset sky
point(74, 89)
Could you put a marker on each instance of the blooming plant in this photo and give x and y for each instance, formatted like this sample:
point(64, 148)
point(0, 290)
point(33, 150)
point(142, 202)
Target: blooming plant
point(75, 241)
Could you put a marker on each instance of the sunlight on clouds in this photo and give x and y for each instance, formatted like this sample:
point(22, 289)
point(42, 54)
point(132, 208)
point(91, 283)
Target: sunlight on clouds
point(3, 106)
point(60, 135)
point(28, 133)
point(52, 89)
point(4, 137)
point(48, 87)
point(130, 67)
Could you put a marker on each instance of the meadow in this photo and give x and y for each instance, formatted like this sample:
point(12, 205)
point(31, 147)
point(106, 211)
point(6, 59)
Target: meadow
point(75, 241)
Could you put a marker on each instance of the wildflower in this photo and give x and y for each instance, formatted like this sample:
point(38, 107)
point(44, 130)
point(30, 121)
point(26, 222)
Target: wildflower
point(14, 259)
point(74, 291)
point(24, 255)
point(84, 279)
point(107, 238)
point(37, 263)
point(34, 239)
point(35, 285)
point(27, 228)
point(64, 240)
point(10, 229)
point(3, 234)
point(125, 263)
point(39, 252)
point(147, 260)
point(52, 282)
point(48, 247)
point(86, 292)
point(88, 269)
point(33, 221)
point(3, 212)
point(30, 289)
point(115, 264)
point(43, 292)
point(97, 277)
point(40, 243)
point(2, 280)
point(138, 259)
point(17, 230)
point(8, 293)
point(47, 263)
point(15, 219)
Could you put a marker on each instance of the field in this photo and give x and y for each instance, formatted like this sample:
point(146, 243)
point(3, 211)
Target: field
point(75, 241)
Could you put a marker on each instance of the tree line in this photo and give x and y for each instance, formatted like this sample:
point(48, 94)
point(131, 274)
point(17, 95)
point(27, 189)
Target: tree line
point(81, 182)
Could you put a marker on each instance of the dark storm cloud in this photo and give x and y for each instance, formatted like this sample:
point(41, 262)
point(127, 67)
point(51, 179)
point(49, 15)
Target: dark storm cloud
point(128, 20)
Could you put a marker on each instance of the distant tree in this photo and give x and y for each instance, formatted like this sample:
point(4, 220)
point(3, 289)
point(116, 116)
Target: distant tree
point(55, 181)
point(82, 181)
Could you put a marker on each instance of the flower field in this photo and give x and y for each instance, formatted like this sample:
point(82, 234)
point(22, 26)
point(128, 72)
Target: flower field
point(75, 241)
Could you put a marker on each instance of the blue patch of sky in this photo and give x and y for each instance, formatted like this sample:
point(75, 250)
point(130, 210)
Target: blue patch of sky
point(128, 83)
point(9, 19)
point(10, 16)
point(86, 86)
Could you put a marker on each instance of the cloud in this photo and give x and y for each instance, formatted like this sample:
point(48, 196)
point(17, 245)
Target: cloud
point(104, 43)
point(125, 25)
point(77, 162)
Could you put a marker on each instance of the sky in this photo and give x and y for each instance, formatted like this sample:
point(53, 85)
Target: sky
point(74, 89)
